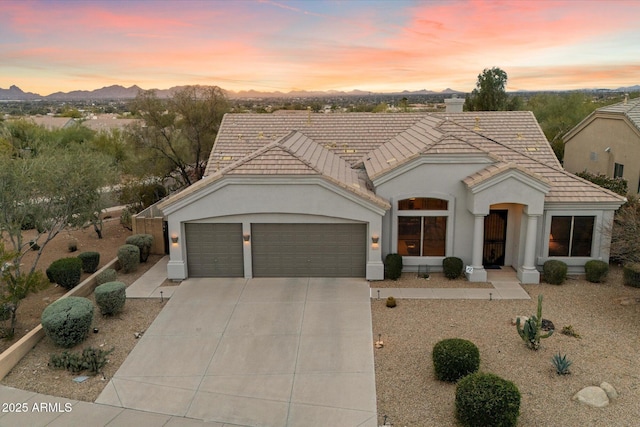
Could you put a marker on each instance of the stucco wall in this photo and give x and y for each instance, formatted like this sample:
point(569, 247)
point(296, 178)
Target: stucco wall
point(286, 202)
point(596, 136)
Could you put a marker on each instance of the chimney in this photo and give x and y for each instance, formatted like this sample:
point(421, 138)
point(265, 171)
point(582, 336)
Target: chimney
point(454, 104)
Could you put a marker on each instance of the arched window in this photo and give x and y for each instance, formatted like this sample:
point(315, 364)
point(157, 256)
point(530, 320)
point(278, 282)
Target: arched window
point(422, 226)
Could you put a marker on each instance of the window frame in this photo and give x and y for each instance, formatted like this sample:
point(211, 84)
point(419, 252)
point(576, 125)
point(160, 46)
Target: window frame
point(447, 213)
point(572, 234)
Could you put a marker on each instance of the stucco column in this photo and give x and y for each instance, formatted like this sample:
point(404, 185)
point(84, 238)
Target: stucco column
point(528, 273)
point(479, 274)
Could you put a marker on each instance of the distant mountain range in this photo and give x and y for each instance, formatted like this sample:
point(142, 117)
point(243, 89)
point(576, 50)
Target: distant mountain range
point(14, 93)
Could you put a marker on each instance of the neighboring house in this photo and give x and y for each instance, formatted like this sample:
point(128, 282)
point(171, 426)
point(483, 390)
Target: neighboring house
point(108, 122)
point(332, 194)
point(607, 142)
point(52, 123)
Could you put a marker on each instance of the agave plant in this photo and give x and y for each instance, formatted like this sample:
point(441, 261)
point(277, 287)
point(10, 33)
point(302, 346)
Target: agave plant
point(561, 363)
point(530, 331)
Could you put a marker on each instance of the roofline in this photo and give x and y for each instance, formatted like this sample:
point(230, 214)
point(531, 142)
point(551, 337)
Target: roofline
point(613, 115)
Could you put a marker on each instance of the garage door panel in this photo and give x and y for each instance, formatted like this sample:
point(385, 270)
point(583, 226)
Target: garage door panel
point(214, 250)
point(313, 250)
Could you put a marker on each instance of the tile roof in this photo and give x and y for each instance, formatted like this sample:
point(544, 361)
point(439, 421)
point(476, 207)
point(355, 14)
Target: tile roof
point(630, 108)
point(332, 144)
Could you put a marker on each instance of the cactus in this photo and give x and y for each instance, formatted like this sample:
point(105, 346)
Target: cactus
point(530, 332)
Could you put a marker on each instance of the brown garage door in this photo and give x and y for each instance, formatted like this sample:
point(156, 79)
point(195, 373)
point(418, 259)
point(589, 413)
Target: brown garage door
point(313, 250)
point(214, 250)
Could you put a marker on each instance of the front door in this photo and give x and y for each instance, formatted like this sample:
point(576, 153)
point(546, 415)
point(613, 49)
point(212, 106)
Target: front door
point(495, 238)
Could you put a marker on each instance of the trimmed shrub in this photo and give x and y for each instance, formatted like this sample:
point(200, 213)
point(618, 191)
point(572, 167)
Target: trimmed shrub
point(49, 274)
point(129, 257)
point(392, 266)
point(90, 261)
point(106, 275)
point(66, 272)
point(455, 358)
point(391, 302)
point(452, 267)
point(484, 399)
point(631, 275)
point(596, 270)
point(68, 320)
point(110, 297)
point(143, 242)
point(554, 271)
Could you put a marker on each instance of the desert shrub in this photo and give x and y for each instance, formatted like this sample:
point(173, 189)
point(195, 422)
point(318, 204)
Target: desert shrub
point(67, 321)
point(6, 310)
point(143, 242)
point(455, 358)
point(106, 275)
point(129, 257)
point(72, 246)
point(392, 266)
point(596, 270)
point(110, 297)
point(484, 399)
point(631, 275)
point(90, 261)
point(391, 302)
point(554, 271)
point(66, 272)
point(91, 359)
point(452, 267)
point(126, 219)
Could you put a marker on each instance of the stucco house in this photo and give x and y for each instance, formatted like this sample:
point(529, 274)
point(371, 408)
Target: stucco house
point(607, 142)
point(304, 194)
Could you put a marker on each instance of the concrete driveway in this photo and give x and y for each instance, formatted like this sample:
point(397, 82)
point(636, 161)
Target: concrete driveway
point(258, 352)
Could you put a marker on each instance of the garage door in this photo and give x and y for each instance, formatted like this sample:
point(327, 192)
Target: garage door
point(314, 250)
point(214, 250)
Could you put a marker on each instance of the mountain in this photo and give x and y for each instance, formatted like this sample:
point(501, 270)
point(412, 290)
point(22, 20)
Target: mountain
point(14, 93)
point(635, 88)
point(109, 92)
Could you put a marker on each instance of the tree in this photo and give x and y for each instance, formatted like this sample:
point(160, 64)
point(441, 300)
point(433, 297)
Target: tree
point(179, 133)
point(489, 94)
point(49, 191)
point(625, 245)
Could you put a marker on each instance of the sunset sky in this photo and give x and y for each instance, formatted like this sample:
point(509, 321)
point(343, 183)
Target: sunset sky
point(382, 46)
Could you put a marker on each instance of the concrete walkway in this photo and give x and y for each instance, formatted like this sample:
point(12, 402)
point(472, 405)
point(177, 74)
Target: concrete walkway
point(505, 286)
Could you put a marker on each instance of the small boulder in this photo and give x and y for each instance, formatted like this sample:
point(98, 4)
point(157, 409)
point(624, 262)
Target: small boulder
point(612, 393)
point(523, 319)
point(592, 396)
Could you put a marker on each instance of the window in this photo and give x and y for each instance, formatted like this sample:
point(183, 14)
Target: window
point(618, 170)
point(422, 226)
point(571, 235)
point(593, 156)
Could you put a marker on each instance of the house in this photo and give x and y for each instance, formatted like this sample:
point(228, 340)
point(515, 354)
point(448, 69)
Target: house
point(108, 122)
point(53, 123)
point(607, 142)
point(332, 194)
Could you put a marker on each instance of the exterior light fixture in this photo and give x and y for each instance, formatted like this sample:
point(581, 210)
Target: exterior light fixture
point(375, 238)
point(246, 237)
point(174, 239)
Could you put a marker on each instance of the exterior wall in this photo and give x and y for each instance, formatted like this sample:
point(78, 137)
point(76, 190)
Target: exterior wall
point(613, 132)
point(442, 181)
point(258, 201)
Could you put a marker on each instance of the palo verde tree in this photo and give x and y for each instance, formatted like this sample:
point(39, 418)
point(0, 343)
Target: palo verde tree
point(179, 132)
point(48, 189)
point(489, 94)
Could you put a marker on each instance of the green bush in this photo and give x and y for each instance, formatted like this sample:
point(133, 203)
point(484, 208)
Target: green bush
point(554, 271)
point(143, 242)
point(106, 275)
point(67, 321)
point(631, 275)
point(596, 270)
point(91, 359)
point(66, 272)
point(452, 267)
point(392, 266)
point(90, 261)
point(129, 257)
point(110, 297)
point(455, 358)
point(484, 399)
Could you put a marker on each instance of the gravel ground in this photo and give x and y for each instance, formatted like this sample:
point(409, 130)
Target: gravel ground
point(118, 332)
point(607, 316)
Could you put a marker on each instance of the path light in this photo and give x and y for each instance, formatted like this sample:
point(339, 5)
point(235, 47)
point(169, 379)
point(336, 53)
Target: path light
point(379, 343)
point(490, 296)
point(378, 293)
point(161, 298)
